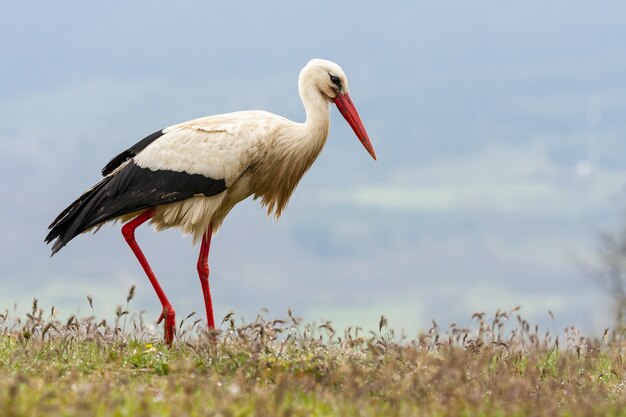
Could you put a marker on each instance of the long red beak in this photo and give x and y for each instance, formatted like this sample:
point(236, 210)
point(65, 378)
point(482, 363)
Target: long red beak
point(348, 111)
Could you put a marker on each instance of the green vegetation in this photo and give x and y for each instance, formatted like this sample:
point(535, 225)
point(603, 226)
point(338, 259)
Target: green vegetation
point(501, 367)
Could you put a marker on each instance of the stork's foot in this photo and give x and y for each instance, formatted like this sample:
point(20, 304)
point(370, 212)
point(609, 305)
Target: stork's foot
point(169, 316)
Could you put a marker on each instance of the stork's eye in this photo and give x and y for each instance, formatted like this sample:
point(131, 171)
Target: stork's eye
point(335, 80)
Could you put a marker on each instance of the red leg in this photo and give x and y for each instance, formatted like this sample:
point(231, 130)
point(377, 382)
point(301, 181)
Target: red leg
point(168, 313)
point(203, 273)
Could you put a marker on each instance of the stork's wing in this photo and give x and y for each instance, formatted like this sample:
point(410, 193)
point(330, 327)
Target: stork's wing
point(129, 190)
point(130, 152)
point(134, 188)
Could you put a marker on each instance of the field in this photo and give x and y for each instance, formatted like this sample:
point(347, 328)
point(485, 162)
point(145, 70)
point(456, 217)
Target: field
point(502, 366)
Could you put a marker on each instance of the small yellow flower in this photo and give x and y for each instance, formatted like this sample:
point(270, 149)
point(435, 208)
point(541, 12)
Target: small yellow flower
point(148, 345)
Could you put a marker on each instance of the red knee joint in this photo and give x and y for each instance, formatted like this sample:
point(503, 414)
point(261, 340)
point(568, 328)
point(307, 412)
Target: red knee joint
point(128, 231)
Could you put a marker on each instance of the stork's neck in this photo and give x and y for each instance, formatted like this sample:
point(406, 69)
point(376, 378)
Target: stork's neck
point(295, 149)
point(315, 128)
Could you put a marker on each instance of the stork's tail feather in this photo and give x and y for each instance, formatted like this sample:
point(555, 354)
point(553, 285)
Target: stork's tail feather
point(76, 218)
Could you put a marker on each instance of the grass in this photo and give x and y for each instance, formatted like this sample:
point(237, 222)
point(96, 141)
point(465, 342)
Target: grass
point(502, 366)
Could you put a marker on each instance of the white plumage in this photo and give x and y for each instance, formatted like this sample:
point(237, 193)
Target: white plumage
point(192, 174)
point(218, 147)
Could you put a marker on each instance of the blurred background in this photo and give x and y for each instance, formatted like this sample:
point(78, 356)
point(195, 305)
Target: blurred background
point(500, 129)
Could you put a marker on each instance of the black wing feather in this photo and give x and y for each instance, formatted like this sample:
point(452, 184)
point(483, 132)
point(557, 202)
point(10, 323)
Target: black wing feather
point(131, 189)
point(130, 152)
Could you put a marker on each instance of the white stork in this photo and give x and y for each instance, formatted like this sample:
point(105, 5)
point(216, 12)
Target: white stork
point(192, 174)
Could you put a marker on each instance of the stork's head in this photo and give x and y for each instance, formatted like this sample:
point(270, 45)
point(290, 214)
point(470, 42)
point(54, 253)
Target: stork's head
point(330, 80)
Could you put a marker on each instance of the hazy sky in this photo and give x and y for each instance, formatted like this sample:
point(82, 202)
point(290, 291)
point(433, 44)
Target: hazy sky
point(499, 127)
